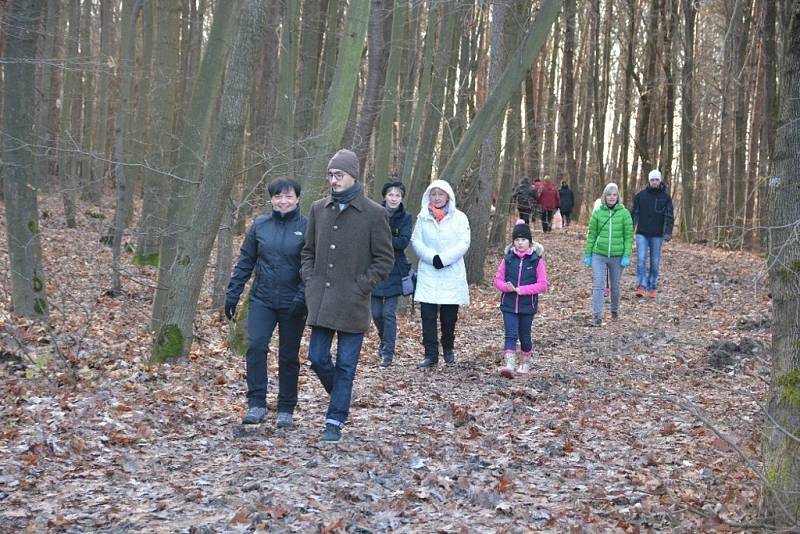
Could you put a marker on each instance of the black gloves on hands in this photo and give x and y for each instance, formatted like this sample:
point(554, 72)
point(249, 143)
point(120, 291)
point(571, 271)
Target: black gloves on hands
point(437, 262)
point(230, 310)
point(297, 308)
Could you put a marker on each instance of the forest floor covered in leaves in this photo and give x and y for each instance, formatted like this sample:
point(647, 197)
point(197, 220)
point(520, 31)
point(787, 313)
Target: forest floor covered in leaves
point(648, 423)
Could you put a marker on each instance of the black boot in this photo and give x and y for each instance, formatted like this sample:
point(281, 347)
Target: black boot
point(449, 357)
point(427, 363)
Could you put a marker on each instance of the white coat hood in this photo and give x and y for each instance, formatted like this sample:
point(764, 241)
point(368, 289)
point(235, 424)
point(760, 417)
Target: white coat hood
point(444, 186)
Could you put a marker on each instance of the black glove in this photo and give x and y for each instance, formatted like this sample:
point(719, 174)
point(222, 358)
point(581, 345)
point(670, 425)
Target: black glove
point(667, 237)
point(297, 308)
point(437, 262)
point(230, 309)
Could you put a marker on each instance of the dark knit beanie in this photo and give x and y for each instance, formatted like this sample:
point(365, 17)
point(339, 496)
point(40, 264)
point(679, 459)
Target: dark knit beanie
point(345, 160)
point(390, 184)
point(521, 229)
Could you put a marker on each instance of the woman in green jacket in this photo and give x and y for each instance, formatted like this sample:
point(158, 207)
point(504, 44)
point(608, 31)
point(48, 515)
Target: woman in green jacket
point(608, 248)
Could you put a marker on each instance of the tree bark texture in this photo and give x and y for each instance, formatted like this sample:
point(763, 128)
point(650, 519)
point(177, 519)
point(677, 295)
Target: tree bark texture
point(174, 338)
point(781, 492)
point(28, 285)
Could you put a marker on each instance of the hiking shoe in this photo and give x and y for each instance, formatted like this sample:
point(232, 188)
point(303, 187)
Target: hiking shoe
point(596, 322)
point(606, 292)
point(640, 291)
point(614, 316)
point(332, 434)
point(508, 368)
point(427, 363)
point(284, 420)
point(523, 368)
point(651, 294)
point(449, 357)
point(255, 415)
point(386, 362)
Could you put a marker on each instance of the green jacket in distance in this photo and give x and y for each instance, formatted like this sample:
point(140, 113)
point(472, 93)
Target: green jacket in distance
point(610, 232)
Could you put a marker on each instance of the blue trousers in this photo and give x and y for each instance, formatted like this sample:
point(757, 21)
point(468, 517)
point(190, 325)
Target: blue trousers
point(518, 326)
point(648, 246)
point(261, 323)
point(337, 379)
point(384, 315)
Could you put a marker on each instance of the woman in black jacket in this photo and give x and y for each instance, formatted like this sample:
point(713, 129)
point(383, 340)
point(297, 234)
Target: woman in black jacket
point(272, 249)
point(566, 202)
point(384, 298)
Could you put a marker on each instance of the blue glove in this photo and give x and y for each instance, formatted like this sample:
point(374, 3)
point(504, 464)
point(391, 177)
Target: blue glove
point(587, 260)
point(625, 261)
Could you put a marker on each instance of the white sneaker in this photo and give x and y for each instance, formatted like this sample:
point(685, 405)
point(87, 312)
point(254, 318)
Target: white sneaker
point(523, 368)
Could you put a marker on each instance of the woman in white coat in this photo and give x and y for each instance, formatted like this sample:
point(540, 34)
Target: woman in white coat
point(441, 238)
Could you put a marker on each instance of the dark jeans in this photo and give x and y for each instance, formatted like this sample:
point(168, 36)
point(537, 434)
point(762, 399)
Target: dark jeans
point(565, 217)
point(384, 315)
point(336, 379)
point(448, 315)
point(547, 220)
point(261, 322)
point(518, 326)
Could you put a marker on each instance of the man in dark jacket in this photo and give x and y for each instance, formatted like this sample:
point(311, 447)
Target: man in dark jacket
point(347, 254)
point(525, 197)
point(652, 214)
point(272, 249)
point(566, 201)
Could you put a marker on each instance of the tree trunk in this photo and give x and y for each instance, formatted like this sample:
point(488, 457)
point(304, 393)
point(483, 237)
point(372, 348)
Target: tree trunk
point(283, 155)
point(549, 158)
point(92, 184)
point(781, 492)
point(174, 338)
point(497, 101)
point(103, 90)
point(55, 28)
point(378, 54)
point(383, 143)
point(770, 103)
point(687, 122)
point(740, 122)
point(130, 14)
point(157, 178)
point(69, 138)
point(28, 286)
point(334, 116)
point(566, 120)
point(222, 271)
point(193, 141)
point(141, 134)
point(647, 99)
point(503, 208)
point(327, 63)
point(312, 30)
point(477, 203)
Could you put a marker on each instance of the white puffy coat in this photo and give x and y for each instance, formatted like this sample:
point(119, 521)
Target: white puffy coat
point(450, 240)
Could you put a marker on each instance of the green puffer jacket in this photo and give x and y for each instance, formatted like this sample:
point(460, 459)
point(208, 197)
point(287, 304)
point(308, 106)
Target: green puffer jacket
point(610, 232)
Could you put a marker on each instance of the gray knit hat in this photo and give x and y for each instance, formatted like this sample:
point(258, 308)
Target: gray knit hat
point(345, 160)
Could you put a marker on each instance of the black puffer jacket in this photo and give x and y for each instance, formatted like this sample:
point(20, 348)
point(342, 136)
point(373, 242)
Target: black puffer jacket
point(272, 247)
point(652, 212)
point(400, 224)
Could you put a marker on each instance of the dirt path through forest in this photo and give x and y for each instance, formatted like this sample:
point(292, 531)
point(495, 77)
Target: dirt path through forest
point(606, 433)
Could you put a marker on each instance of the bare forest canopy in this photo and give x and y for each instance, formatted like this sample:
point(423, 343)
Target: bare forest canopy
point(151, 128)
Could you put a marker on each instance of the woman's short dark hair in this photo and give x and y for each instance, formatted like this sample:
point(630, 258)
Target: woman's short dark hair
point(279, 185)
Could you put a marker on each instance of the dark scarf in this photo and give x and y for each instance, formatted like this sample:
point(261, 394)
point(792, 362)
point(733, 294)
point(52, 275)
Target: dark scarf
point(346, 196)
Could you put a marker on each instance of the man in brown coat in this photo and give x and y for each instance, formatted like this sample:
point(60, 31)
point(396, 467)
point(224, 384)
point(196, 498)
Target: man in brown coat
point(348, 252)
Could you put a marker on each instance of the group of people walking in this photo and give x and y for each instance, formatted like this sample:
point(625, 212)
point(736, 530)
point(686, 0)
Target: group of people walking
point(345, 266)
point(542, 200)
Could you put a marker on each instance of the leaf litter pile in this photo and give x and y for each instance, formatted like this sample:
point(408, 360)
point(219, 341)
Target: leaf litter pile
point(648, 423)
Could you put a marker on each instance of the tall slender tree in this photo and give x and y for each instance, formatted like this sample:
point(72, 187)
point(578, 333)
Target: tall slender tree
point(28, 286)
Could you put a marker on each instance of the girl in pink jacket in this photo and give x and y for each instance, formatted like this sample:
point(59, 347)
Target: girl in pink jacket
point(521, 276)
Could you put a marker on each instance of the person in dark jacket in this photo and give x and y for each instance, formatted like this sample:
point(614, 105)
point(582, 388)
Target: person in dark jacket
point(525, 197)
point(652, 214)
point(566, 201)
point(384, 298)
point(272, 249)
point(548, 201)
point(348, 253)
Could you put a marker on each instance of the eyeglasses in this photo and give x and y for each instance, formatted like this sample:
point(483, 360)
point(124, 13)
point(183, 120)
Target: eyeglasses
point(338, 175)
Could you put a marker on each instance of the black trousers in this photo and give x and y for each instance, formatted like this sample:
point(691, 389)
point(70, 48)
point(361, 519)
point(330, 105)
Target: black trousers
point(547, 220)
point(448, 315)
point(565, 217)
